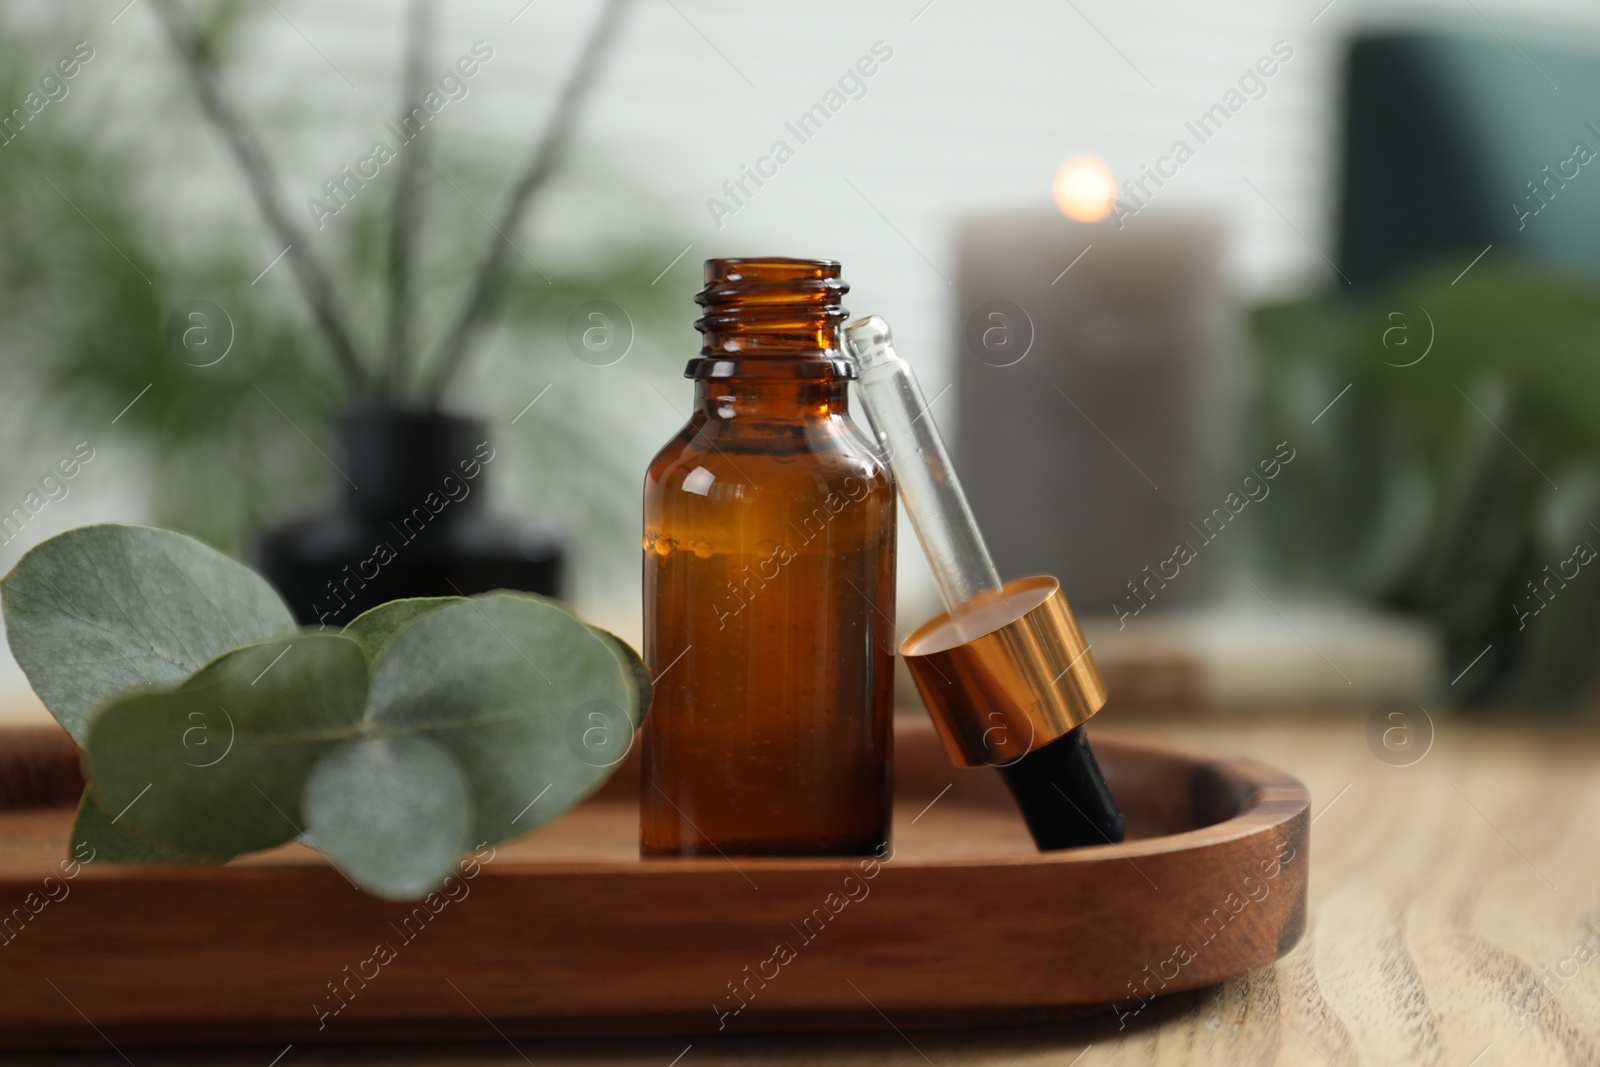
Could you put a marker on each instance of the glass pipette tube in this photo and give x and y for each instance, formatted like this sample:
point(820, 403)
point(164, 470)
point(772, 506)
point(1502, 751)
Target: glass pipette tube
point(899, 416)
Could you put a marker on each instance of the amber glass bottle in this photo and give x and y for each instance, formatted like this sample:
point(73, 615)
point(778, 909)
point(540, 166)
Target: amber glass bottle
point(768, 586)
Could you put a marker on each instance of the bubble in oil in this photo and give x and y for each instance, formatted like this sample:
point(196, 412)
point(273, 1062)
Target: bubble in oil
point(655, 542)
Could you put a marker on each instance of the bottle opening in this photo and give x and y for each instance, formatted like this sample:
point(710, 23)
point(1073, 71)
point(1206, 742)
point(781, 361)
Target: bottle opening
point(772, 310)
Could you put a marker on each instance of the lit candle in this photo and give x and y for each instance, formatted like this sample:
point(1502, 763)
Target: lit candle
point(1093, 391)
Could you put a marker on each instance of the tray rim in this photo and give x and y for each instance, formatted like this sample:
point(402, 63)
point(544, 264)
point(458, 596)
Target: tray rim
point(1275, 799)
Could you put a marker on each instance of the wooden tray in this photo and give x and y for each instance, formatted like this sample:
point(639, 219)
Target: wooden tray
point(566, 932)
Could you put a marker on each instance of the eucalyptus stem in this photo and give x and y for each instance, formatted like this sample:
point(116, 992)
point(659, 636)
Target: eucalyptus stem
point(406, 219)
point(315, 284)
point(548, 153)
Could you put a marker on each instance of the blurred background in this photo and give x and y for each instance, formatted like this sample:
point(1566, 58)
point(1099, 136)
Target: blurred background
point(1271, 329)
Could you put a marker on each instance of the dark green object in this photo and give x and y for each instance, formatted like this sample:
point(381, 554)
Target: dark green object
point(1443, 134)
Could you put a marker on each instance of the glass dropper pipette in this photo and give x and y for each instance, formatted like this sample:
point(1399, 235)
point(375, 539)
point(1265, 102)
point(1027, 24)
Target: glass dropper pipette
point(910, 441)
point(1058, 785)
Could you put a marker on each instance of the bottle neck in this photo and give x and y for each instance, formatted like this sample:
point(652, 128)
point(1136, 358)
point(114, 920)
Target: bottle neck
point(766, 400)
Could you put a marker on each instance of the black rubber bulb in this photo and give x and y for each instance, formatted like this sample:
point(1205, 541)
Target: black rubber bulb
point(1063, 796)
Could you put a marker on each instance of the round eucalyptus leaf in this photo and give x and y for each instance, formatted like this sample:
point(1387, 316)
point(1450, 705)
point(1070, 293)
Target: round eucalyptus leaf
point(97, 838)
point(101, 610)
point(373, 629)
point(495, 681)
point(599, 733)
point(216, 766)
point(210, 728)
point(636, 670)
point(392, 813)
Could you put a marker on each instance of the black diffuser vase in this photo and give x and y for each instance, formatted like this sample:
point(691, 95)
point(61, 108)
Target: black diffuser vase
point(412, 522)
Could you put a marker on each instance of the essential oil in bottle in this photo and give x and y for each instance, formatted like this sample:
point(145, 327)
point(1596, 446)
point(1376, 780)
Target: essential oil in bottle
point(769, 565)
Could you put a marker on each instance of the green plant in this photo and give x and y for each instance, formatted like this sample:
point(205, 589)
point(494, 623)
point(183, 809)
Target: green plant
point(99, 256)
point(1460, 473)
point(211, 728)
point(315, 282)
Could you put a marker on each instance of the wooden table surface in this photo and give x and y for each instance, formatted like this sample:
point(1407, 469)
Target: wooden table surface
point(1455, 921)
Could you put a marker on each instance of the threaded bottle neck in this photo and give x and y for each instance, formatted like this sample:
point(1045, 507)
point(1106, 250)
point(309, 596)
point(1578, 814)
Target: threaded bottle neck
point(772, 318)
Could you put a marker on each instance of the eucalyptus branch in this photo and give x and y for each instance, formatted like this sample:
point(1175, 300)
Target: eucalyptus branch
point(547, 156)
point(406, 220)
point(315, 284)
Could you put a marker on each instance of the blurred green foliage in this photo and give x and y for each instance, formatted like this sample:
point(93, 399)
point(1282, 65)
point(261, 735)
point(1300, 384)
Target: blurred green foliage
point(98, 253)
point(1463, 461)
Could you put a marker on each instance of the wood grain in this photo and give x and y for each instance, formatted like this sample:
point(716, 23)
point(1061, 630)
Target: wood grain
point(1429, 931)
point(38, 768)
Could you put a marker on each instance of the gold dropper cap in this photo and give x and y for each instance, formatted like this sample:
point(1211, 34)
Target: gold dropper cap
point(1025, 681)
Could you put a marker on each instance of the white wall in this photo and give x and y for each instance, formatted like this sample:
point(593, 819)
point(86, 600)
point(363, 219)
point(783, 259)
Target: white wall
point(978, 107)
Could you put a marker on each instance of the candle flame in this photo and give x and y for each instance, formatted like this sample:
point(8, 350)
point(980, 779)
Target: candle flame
point(1084, 189)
